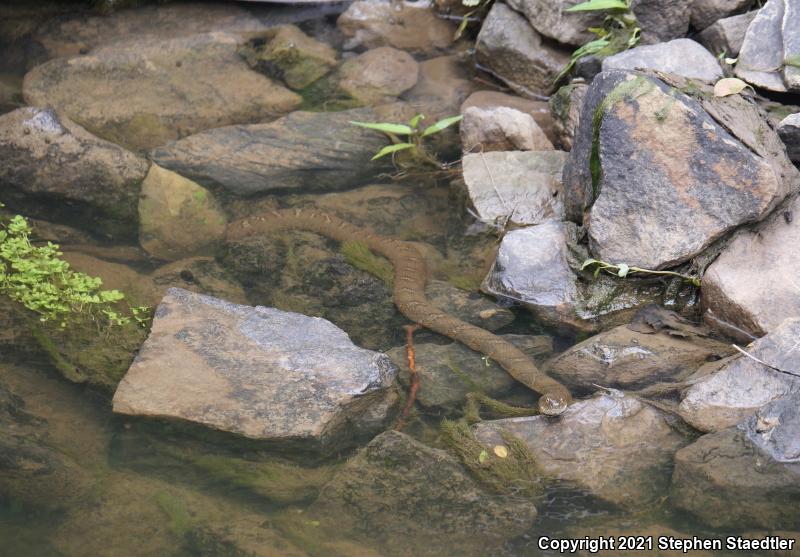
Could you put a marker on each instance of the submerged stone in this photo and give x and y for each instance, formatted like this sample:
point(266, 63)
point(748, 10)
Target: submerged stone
point(378, 75)
point(163, 98)
point(613, 446)
point(260, 373)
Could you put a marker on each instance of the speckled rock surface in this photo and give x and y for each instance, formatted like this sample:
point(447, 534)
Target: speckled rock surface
point(681, 56)
point(501, 129)
point(258, 372)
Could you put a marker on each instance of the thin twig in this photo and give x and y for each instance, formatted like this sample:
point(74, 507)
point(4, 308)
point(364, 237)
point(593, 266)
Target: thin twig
point(414, 381)
point(762, 362)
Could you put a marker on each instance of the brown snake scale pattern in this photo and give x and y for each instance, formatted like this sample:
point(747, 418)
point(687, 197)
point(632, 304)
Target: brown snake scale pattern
point(409, 295)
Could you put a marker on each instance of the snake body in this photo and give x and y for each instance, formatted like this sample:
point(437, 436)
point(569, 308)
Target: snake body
point(409, 295)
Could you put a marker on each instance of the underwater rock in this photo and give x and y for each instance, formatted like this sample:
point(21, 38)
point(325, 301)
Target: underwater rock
point(53, 168)
point(623, 358)
point(304, 150)
point(405, 25)
point(755, 464)
point(565, 106)
point(409, 491)
point(739, 297)
point(681, 56)
point(163, 99)
point(501, 129)
point(742, 385)
point(444, 84)
point(707, 12)
point(291, 56)
point(261, 373)
point(726, 35)
point(514, 52)
point(471, 307)
point(651, 162)
point(451, 371)
point(789, 131)
point(202, 275)
point(378, 75)
point(538, 110)
point(770, 54)
point(177, 217)
point(10, 96)
point(82, 32)
point(508, 188)
point(32, 472)
point(614, 446)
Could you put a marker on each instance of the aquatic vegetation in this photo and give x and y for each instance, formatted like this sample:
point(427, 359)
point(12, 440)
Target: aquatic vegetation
point(622, 270)
point(40, 280)
point(414, 134)
point(619, 32)
point(357, 254)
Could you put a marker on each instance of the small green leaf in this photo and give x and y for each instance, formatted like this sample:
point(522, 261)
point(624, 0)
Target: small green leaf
point(385, 127)
point(440, 125)
point(623, 270)
point(593, 5)
point(415, 120)
point(483, 456)
point(793, 61)
point(392, 149)
point(588, 262)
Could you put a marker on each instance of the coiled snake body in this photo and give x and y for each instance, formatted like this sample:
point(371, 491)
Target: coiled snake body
point(409, 295)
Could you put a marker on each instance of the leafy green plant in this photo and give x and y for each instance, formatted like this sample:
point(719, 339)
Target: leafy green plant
point(413, 137)
point(619, 32)
point(623, 270)
point(37, 278)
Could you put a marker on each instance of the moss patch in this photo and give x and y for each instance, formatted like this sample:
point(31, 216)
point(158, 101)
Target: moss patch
point(358, 255)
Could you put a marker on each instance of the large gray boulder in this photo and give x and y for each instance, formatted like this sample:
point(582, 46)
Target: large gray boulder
point(260, 373)
point(46, 158)
point(743, 385)
point(651, 162)
point(738, 295)
point(726, 35)
point(756, 464)
point(660, 21)
point(512, 50)
point(158, 80)
point(514, 187)
point(706, 12)
point(789, 130)
point(304, 150)
point(626, 358)
point(681, 56)
point(770, 55)
point(614, 446)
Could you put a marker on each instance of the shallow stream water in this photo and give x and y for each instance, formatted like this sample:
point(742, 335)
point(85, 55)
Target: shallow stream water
point(154, 490)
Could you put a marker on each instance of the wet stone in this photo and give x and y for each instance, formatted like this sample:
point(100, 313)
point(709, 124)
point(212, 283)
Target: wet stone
point(449, 372)
point(411, 26)
point(47, 159)
point(302, 151)
point(623, 358)
point(681, 56)
point(164, 100)
point(513, 51)
point(742, 386)
point(444, 84)
point(613, 446)
point(378, 75)
point(755, 464)
point(260, 373)
point(471, 307)
point(501, 129)
point(514, 187)
point(726, 35)
point(410, 491)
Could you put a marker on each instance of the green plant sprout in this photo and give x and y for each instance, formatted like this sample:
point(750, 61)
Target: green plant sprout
point(477, 6)
point(619, 32)
point(37, 278)
point(623, 270)
point(414, 137)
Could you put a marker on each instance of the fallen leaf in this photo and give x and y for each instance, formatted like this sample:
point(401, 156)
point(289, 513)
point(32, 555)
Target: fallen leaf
point(483, 456)
point(729, 86)
point(500, 451)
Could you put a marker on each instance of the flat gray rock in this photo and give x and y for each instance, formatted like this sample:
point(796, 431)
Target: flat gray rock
point(726, 35)
point(681, 56)
point(707, 12)
point(260, 373)
point(743, 385)
point(770, 54)
point(739, 295)
point(775, 429)
point(789, 131)
point(318, 151)
point(514, 187)
point(614, 446)
point(46, 158)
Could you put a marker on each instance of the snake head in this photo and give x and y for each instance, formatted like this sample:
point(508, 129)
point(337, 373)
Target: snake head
point(552, 405)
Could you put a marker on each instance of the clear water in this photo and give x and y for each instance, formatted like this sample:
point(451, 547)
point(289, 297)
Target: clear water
point(148, 496)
